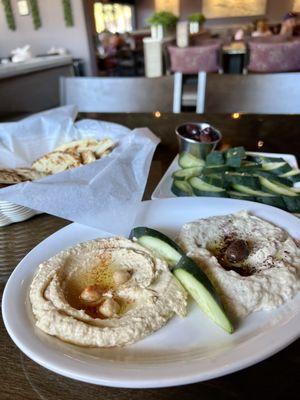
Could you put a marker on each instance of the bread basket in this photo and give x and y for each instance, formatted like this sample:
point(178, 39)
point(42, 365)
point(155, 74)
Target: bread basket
point(10, 213)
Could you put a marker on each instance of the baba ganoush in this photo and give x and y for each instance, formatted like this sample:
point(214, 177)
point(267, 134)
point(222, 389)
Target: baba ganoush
point(105, 292)
point(253, 264)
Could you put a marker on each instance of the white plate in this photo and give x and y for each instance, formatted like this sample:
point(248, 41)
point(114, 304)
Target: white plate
point(185, 350)
point(163, 189)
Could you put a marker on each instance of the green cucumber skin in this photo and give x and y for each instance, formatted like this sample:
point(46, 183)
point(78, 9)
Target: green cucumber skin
point(263, 159)
point(180, 192)
point(240, 196)
point(201, 193)
point(140, 231)
point(273, 177)
point(215, 158)
point(215, 180)
point(292, 203)
point(275, 201)
point(210, 170)
point(277, 171)
point(190, 266)
point(243, 179)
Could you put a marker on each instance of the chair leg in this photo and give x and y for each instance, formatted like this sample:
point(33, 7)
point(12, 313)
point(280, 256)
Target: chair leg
point(201, 92)
point(177, 92)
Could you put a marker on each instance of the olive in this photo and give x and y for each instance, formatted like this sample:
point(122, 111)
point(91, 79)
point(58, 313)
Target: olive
point(237, 251)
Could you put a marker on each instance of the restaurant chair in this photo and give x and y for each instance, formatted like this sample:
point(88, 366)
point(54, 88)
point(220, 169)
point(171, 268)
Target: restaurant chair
point(118, 94)
point(186, 63)
point(252, 93)
point(280, 56)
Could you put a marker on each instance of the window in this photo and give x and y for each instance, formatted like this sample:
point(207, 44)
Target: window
point(113, 17)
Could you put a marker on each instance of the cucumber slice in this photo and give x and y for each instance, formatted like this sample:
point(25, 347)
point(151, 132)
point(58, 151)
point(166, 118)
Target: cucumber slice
point(234, 156)
point(262, 159)
point(215, 158)
point(292, 203)
point(216, 169)
point(276, 187)
point(242, 179)
point(201, 188)
point(247, 190)
point(215, 180)
point(186, 271)
point(161, 245)
point(203, 296)
point(240, 196)
point(293, 175)
point(249, 166)
point(276, 168)
point(181, 188)
point(275, 178)
point(272, 200)
point(187, 173)
point(187, 160)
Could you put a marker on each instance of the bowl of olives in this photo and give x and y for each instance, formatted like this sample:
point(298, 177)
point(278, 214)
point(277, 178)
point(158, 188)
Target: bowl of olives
point(198, 139)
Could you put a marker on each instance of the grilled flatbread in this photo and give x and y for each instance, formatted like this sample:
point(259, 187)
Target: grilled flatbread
point(55, 162)
point(103, 146)
point(77, 146)
point(10, 176)
point(87, 156)
point(29, 174)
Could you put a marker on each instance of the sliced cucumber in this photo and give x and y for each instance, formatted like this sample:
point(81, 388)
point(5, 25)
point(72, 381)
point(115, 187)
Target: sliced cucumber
point(234, 156)
point(273, 177)
point(247, 190)
point(276, 187)
point(293, 175)
point(187, 160)
point(292, 203)
point(240, 196)
point(187, 173)
point(215, 169)
point(215, 158)
point(276, 168)
point(200, 288)
point(271, 200)
point(186, 271)
point(182, 188)
point(249, 166)
point(242, 179)
point(262, 159)
point(161, 245)
point(201, 188)
point(215, 180)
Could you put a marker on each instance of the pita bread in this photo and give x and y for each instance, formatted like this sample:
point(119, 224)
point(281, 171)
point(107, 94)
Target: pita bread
point(9, 176)
point(55, 162)
point(87, 156)
point(29, 174)
point(103, 146)
point(78, 145)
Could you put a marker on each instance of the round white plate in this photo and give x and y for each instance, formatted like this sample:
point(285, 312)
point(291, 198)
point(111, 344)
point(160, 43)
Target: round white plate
point(187, 349)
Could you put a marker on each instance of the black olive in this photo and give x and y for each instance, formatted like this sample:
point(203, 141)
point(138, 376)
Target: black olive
point(237, 251)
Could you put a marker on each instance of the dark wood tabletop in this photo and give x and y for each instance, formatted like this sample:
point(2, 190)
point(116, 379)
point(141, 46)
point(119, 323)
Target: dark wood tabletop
point(274, 378)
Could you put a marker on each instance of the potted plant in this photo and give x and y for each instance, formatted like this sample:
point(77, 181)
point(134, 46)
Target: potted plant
point(196, 21)
point(162, 23)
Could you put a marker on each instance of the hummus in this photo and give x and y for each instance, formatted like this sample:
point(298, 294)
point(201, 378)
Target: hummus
point(146, 301)
point(265, 279)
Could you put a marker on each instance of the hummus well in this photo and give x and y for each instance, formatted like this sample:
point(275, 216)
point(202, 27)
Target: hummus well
point(147, 300)
point(265, 279)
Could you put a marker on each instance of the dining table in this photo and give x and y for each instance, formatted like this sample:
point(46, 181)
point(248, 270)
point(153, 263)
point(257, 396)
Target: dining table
point(274, 378)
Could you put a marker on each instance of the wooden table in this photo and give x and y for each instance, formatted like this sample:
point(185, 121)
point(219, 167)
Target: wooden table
point(275, 378)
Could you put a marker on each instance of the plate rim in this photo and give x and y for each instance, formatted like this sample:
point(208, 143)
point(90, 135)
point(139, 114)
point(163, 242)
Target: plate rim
point(149, 382)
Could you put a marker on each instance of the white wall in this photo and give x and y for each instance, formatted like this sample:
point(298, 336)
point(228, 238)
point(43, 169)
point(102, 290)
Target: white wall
point(52, 32)
point(274, 11)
